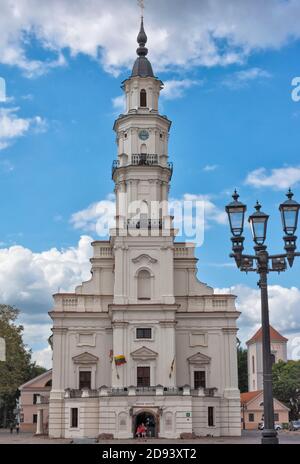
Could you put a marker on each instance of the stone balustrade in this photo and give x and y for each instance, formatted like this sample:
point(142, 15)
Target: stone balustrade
point(158, 390)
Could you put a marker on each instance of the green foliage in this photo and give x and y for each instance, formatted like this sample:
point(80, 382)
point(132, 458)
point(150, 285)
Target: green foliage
point(286, 385)
point(242, 367)
point(18, 367)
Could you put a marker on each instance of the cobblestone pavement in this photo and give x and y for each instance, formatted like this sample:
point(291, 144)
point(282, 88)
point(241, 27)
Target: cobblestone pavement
point(248, 437)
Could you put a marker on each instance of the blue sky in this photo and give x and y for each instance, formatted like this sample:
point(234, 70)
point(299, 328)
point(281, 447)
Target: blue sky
point(58, 145)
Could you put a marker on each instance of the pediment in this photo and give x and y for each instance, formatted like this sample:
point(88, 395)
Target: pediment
point(144, 353)
point(199, 358)
point(85, 358)
point(144, 258)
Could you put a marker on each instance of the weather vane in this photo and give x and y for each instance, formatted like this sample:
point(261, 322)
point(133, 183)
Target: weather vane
point(141, 4)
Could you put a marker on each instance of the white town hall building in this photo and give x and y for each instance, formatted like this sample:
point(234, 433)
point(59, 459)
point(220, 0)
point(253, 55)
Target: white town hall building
point(143, 340)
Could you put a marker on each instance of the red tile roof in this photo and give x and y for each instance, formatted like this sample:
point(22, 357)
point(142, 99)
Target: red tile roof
point(275, 336)
point(248, 396)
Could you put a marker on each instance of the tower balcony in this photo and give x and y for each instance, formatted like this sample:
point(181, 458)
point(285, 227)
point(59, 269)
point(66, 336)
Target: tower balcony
point(143, 159)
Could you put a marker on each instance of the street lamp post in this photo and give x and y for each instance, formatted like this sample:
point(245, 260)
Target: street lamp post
point(263, 263)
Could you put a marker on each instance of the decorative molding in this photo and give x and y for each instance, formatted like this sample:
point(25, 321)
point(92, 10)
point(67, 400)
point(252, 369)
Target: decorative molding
point(199, 359)
point(230, 330)
point(198, 338)
point(85, 358)
point(144, 354)
point(86, 338)
point(144, 257)
point(169, 324)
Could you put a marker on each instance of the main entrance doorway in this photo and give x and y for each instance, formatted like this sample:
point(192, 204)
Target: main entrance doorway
point(150, 422)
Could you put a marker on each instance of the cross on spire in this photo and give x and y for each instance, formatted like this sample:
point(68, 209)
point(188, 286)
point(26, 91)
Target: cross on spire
point(141, 4)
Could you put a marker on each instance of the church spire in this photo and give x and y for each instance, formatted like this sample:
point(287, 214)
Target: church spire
point(142, 66)
point(142, 40)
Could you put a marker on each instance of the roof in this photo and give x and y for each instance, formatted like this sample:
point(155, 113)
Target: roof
point(142, 67)
point(274, 335)
point(248, 396)
point(36, 379)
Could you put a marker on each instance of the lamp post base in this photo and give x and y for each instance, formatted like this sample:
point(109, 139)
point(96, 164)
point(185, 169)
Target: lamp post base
point(269, 437)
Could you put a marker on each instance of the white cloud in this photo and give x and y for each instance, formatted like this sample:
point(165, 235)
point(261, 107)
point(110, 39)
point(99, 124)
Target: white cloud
point(280, 178)
point(35, 333)
point(118, 104)
point(252, 74)
point(43, 357)
point(284, 306)
point(210, 168)
point(212, 213)
point(175, 88)
point(97, 217)
point(2, 90)
point(12, 126)
point(242, 78)
point(28, 279)
point(180, 34)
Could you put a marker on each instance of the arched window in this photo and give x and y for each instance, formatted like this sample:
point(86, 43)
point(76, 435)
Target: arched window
point(144, 285)
point(143, 98)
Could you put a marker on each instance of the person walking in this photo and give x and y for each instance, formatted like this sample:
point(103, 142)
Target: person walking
point(11, 426)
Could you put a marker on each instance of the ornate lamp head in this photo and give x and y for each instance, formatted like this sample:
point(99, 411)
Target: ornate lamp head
point(258, 222)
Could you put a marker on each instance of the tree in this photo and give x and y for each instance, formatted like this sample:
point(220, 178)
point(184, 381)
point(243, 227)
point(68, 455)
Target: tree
point(242, 356)
point(18, 367)
point(286, 385)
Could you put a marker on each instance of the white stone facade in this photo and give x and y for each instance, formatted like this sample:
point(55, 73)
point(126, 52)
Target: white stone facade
point(144, 303)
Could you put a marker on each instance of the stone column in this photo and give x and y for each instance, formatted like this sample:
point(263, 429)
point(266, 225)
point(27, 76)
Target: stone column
point(39, 424)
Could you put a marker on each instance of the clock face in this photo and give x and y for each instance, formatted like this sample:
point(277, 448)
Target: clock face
point(143, 134)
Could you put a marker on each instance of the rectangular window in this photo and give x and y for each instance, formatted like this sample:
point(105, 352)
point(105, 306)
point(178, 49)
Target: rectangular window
point(144, 332)
point(211, 421)
point(34, 418)
point(253, 365)
point(251, 417)
point(34, 400)
point(85, 379)
point(143, 376)
point(276, 416)
point(74, 417)
point(199, 379)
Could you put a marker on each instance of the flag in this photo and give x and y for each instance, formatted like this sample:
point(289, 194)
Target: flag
point(120, 359)
point(172, 367)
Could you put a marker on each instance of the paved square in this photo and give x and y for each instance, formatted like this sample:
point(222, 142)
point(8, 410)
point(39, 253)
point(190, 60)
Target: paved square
point(248, 437)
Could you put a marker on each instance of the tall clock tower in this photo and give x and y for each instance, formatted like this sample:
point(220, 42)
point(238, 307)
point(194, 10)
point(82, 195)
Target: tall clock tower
point(143, 238)
point(143, 341)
